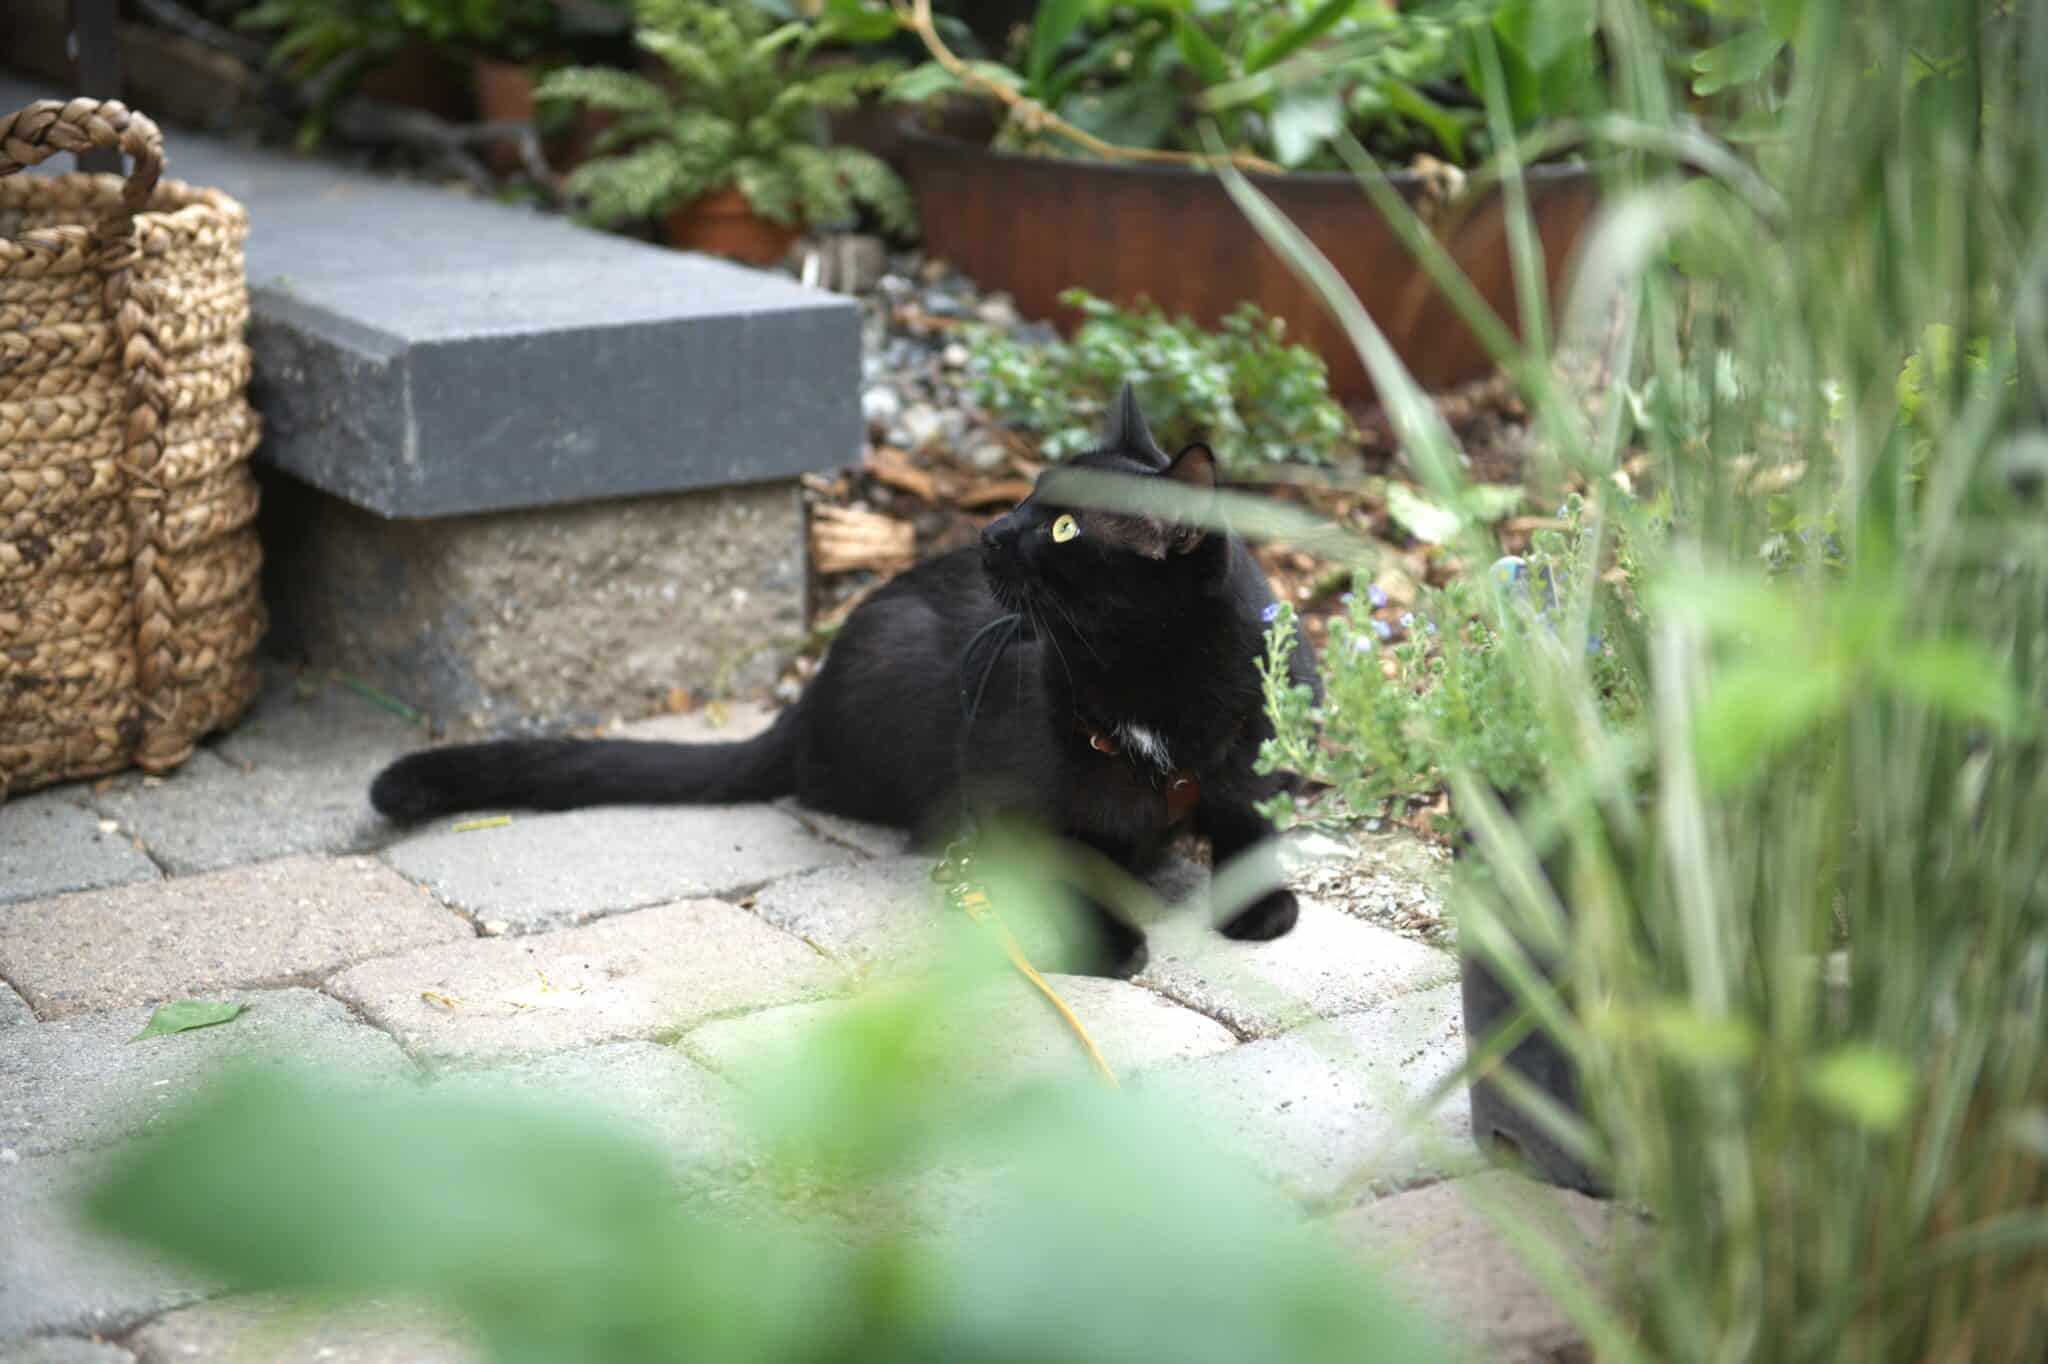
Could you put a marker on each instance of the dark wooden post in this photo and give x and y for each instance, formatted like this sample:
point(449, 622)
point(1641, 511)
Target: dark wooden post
point(96, 53)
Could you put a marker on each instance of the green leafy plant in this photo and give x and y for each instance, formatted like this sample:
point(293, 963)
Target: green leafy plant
point(743, 109)
point(330, 44)
point(510, 29)
point(1443, 688)
point(892, 1207)
point(334, 41)
point(317, 31)
point(1796, 949)
point(1282, 78)
point(1255, 398)
point(1788, 929)
point(1732, 47)
point(1393, 78)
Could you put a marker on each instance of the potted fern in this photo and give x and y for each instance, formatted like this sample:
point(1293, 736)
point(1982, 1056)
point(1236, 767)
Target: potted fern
point(728, 149)
point(1108, 105)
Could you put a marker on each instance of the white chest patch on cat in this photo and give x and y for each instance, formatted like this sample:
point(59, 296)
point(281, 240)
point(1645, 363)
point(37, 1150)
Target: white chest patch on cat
point(1146, 744)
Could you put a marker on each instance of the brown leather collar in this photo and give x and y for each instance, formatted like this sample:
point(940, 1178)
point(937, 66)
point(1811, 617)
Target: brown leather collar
point(1183, 788)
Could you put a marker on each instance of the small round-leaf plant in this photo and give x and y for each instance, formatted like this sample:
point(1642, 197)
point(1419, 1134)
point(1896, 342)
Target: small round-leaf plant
point(1254, 397)
point(1445, 686)
point(745, 109)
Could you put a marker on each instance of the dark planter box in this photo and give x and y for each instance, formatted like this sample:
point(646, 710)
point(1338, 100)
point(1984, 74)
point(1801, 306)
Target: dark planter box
point(1498, 1126)
point(1036, 225)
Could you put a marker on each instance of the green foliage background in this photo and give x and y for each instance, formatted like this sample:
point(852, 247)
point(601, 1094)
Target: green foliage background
point(1255, 398)
point(744, 108)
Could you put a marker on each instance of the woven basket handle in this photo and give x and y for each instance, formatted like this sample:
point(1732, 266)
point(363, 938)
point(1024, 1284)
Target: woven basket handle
point(36, 134)
point(50, 126)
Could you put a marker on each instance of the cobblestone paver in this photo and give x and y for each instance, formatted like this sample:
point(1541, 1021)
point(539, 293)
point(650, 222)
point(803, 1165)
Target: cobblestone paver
point(1318, 1110)
point(281, 1331)
point(651, 965)
point(882, 911)
point(536, 872)
point(874, 840)
point(1442, 1251)
point(83, 1081)
point(655, 1092)
point(273, 923)
point(63, 1350)
point(645, 975)
point(1330, 964)
point(1004, 1029)
point(57, 1277)
point(50, 844)
point(292, 778)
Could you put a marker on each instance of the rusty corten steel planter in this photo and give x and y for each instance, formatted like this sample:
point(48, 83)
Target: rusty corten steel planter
point(1036, 225)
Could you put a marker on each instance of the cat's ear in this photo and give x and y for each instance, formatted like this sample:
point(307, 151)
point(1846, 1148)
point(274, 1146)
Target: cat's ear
point(1158, 535)
point(1194, 467)
point(1127, 429)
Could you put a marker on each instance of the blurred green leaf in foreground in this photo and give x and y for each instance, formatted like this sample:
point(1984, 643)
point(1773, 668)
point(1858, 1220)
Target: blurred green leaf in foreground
point(900, 1215)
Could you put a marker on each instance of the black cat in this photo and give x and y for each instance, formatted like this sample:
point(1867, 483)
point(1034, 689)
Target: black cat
point(1091, 671)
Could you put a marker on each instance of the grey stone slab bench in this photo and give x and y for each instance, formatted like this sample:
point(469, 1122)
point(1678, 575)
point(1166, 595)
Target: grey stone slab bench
point(535, 473)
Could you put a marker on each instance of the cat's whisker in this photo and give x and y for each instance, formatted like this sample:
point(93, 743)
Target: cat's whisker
point(1058, 652)
point(1079, 633)
point(1018, 671)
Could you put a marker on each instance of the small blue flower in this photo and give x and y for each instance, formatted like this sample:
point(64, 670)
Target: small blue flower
point(1272, 610)
point(1361, 646)
point(1377, 597)
point(1346, 599)
point(1382, 629)
point(1592, 645)
point(1430, 626)
point(1407, 620)
point(1563, 510)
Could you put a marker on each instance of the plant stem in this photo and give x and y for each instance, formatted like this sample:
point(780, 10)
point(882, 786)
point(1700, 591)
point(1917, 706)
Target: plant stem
point(917, 16)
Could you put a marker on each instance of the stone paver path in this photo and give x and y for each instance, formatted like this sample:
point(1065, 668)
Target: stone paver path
point(645, 963)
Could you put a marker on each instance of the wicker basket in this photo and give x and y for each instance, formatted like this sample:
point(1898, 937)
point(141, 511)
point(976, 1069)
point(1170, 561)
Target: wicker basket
point(129, 604)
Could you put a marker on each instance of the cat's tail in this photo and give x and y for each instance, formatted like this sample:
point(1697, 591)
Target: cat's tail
point(566, 774)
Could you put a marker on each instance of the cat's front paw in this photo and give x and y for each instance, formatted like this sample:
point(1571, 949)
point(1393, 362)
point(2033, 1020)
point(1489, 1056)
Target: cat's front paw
point(1268, 918)
point(1120, 949)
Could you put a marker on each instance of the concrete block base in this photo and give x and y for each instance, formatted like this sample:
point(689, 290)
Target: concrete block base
point(520, 621)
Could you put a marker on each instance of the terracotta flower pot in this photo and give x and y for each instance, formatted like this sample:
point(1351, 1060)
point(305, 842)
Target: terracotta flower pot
point(418, 76)
point(504, 92)
point(1034, 226)
point(574, 146)
point(725, 224)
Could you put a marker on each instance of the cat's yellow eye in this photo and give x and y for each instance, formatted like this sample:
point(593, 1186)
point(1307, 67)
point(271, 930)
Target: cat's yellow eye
point(1065, 529)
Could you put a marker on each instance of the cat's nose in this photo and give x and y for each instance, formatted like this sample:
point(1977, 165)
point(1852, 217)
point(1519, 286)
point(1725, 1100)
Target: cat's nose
point(992, 533)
